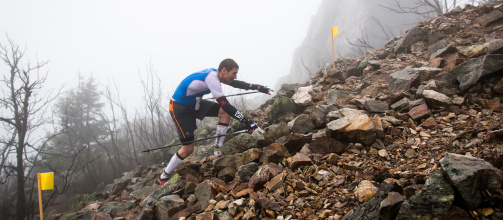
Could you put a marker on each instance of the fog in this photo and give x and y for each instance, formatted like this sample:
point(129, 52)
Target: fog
point(115, 41)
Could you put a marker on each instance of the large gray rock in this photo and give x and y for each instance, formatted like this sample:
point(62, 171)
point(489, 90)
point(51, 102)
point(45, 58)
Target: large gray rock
point(436, 99)
point(433, 201)
point(356, 129)
point(343, 112)
point(323, 144)
point(470, 72)
point(205, 192)
point(413, 36)
point(239, 144)
point(471, 176)
point(375, 106)
point(370, 210)
point(275, 131)
point(246, 171)
point(334, 95)
point(302, 96)
point(164, 190)
point(490, 18)
point(427, 73)
point(301, 124)
point(495, 47)
point(319, 115)
point(403, 80)
point(248, 156)
point(281, 107)
point(444, 51)
point(437, 46)
point(401, 106)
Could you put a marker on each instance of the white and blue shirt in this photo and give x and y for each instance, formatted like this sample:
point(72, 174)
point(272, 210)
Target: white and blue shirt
point(196, 85)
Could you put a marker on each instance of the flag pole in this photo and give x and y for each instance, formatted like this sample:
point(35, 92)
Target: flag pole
point(40, 197)
point(333, 51)
point(335, 31)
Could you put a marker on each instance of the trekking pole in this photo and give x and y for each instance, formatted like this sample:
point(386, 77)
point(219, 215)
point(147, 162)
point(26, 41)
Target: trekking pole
point(245, 93)
point(237, 132)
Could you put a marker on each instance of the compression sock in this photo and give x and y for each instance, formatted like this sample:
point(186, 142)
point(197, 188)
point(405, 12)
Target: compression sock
point(221, 130)
point(172, 165)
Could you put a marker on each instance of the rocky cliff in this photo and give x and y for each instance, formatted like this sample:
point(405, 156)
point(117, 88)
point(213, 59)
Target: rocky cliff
point(409, 131)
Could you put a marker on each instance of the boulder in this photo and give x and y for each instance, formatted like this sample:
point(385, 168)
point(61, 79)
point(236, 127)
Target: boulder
point(470, 72)
point(443, 51)
point(471, 176)
point(427, 73)
point(411, 37)
point(319, 115)
point(495, 47)
point(301, 124)
point(245, 172)
point(302, 96)
point(420, 112)
point(281, 107)
point(473, 51)
point(299, 160)
point(341, 113)
point(375, 106)
point(238, 144)
point(371, 208)
point(358, 129)
point(334, 95)
point(401, 106)
point(205, 192)
point(365, 191)
point(403, 80)
point(435, 99)
point(488, 19)
point(274, 153)
point(433, 201)
point(323, 144)
point(275, 131)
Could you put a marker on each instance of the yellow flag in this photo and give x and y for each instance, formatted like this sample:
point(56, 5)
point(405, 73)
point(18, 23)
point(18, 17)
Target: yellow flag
point(335, 31)
point(46, 181)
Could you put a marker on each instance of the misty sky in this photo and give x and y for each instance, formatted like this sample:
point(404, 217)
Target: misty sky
point(116, 40)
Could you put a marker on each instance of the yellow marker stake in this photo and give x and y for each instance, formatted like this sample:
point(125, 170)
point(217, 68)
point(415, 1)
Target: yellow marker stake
point(335, 31)
point(45, 182)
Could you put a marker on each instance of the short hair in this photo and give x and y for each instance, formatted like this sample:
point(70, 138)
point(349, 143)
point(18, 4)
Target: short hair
point(228, 64)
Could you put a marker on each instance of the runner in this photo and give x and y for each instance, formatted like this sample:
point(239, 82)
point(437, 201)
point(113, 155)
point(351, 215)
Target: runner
point(186, 105)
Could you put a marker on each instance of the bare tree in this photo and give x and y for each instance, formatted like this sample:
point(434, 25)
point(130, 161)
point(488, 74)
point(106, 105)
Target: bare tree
point(431, 8)
point(153, 127)
point(23, 108)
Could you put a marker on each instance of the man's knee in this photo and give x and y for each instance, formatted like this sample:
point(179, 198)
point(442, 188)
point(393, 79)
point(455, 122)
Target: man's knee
point(223, 114)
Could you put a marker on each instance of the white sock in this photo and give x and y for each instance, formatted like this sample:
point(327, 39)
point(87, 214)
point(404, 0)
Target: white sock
point(221, 130)
point(172, 165)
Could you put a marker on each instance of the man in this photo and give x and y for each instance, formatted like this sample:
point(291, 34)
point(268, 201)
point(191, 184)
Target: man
point(186, 105)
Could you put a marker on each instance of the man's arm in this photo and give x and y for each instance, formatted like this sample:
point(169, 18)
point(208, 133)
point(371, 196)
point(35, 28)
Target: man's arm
point(233, 112)
point(244, 85)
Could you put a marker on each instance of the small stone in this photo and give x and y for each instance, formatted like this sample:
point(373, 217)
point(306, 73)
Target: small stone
point(383, 153)
point(410, 153)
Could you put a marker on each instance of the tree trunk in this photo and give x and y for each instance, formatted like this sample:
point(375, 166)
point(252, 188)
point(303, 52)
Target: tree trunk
point(21, 197)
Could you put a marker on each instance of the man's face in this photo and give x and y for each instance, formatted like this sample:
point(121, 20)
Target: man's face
point(228, 76)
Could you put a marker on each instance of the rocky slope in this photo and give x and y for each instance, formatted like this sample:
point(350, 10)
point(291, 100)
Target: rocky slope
point(409, 131)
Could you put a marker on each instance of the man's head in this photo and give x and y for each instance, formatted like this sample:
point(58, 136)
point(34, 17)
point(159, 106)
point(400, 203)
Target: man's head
point(227, 70)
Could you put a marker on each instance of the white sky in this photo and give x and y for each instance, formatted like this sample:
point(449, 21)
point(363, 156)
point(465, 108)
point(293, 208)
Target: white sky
point(116, 40)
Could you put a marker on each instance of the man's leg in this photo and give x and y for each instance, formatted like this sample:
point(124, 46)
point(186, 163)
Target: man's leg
point(223, 124)
point(176, 159)
point(186, 124)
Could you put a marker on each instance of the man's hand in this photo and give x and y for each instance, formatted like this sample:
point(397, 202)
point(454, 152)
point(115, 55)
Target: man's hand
point(261, 88)
point(251, 125)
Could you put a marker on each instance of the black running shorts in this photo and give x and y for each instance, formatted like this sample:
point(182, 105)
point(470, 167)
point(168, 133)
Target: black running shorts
point(185, 116)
